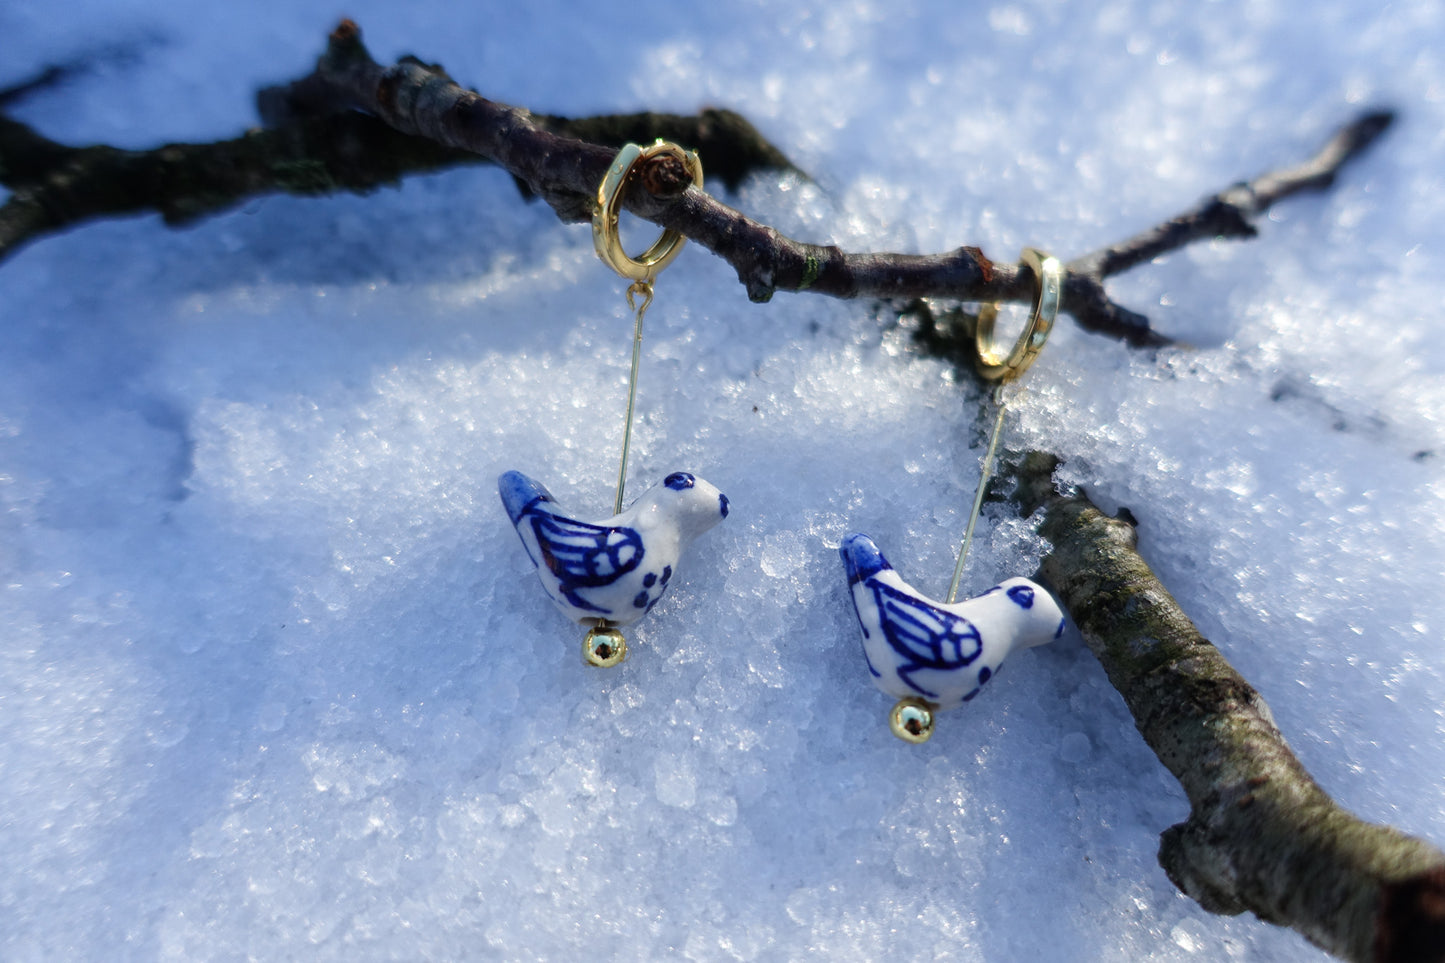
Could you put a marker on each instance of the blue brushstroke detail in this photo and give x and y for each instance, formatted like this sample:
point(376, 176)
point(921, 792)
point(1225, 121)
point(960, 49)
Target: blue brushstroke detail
point(927, 636)
point(582, 555)
point(640, 602)
point(861, 558)
point(1022, 595)
point(723, 504)
point(666, 574)
point(863, 642)
point(984, 675)
point(876, 674)
point(969, 697)
point(649, 580)
point(1060, 629)
point(680, 480)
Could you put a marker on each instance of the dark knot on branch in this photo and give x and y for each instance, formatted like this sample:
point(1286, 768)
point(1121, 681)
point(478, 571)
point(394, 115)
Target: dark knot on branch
point(666, 175)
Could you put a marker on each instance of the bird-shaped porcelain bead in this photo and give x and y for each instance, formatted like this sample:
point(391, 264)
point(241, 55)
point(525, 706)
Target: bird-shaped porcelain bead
point(611, 572)
point(933, 655)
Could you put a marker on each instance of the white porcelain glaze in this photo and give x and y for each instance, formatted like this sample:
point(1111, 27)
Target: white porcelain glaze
point(615, 569)
point(943, 654)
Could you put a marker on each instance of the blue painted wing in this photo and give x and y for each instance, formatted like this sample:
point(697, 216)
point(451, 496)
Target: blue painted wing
point(579, 555)
point(927, 636)
point(582, 554)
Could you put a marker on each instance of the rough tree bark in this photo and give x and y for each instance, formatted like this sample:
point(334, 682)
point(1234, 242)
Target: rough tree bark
point(1262, 835)
point(56, 186)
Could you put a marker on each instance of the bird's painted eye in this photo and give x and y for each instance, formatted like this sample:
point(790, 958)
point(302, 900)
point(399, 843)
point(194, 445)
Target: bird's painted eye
point(679, 480)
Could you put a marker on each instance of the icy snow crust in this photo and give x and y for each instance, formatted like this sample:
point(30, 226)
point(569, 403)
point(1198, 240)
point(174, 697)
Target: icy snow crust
point(277, 680)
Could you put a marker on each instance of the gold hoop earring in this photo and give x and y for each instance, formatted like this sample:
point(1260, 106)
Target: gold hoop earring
point(1048, 290)
point(605, 237)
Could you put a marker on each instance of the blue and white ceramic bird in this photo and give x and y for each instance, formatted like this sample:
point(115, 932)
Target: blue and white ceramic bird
point(612, 572)
point(932, 655)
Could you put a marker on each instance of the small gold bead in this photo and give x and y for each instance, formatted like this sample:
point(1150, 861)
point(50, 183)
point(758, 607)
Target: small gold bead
point(911, 720)
point(604, 646)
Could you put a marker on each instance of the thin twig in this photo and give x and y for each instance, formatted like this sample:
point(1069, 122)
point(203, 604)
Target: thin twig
point(117, 54)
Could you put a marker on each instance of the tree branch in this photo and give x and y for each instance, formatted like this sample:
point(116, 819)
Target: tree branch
point(317, 145)
point(1231, 212)
point(1262, 835)
point(56, 186)
point(421, 99)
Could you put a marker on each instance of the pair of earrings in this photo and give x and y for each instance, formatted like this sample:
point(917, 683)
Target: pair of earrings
point(606, 574)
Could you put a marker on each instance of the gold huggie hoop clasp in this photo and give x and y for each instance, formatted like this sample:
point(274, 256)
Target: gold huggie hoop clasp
point(609, 204)
point(1048, 290)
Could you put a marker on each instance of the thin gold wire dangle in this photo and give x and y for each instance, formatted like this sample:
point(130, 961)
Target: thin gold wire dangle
point(993, 366)
point(642, 270)
point(645, 289)
point(983, 478)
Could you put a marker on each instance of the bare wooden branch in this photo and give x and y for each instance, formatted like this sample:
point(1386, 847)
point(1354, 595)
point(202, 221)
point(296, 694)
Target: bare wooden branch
point(116, 54)
point(56, 186)
point(317, 146)
point(1262, 835)
point(1230, 213)
point(421, 99)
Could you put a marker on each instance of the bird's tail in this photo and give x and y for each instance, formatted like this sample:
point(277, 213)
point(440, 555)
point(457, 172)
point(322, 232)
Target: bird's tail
point(861, 558)
point(520, 493)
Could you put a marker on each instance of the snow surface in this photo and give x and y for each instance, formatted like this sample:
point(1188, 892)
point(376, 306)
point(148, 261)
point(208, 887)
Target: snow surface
point(277, 681)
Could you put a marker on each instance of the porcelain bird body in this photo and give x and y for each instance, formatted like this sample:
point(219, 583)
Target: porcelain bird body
point(615, 569)
point(942, 654)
